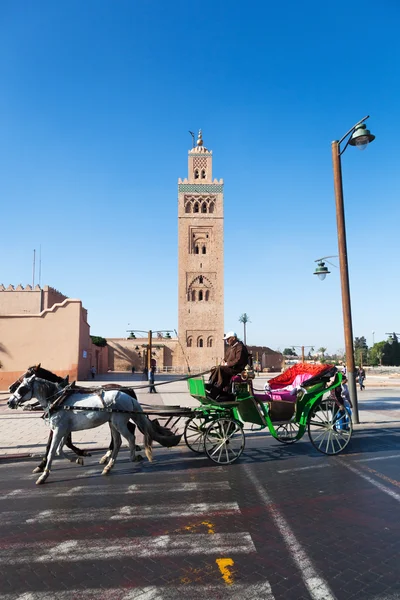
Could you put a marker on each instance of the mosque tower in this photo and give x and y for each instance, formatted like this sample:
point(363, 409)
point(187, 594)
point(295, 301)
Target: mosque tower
point(201, 260)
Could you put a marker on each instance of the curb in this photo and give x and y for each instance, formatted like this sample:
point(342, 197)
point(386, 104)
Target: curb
point(36, 455)
point(15, 456)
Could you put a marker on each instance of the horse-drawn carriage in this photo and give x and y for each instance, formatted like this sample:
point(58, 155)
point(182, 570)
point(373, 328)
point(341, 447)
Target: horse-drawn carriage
point(302, 398)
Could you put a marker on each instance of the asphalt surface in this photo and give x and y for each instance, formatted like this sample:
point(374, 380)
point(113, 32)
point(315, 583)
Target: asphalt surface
point(284, 522)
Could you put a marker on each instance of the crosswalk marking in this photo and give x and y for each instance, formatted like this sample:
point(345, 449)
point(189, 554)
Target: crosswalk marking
point(137, 488)
point(316, 585)
point(139, 547)
point(124, 513)
point(257, 591)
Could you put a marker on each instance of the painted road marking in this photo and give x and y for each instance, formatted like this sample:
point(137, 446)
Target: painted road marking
point(258, 591)
point(220, 544)
point(377, 458)
point(324, 466)
point(124, 513)
point(317, 587)
point(144, 488)
point(138, 488)
point(377, 484)
point(224, 565)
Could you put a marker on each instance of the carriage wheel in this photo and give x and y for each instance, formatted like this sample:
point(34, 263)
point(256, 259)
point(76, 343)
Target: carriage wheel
point(287, 432)
point(194, 434)
point(224, 441)
point(329, 427)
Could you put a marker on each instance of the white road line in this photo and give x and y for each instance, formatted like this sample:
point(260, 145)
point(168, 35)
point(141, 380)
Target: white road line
point(13, 493)
point(376, 458)
point(147, 488)
point(317, 587)
point(377, 484)
point(324, 466)
point(88, 472)
point(137, 488)
point(257, 591)
point(219, 544)
point(125, 513)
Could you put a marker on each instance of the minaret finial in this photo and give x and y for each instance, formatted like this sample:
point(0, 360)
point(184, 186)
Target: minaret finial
point(200, 138)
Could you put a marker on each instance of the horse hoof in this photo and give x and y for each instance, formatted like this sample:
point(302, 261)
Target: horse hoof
point(105, 471)
point(40, 480)
point(103, 460)
point(37, 470)
point(79, 461)
point(138, 458)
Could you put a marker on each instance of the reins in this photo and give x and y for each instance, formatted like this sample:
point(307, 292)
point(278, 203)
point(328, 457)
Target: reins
point(146, 385)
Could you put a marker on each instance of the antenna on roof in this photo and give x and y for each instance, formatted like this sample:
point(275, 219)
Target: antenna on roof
point(192, 134)
point(33, 271)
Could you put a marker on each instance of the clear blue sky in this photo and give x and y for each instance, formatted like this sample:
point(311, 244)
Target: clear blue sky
point(96, 101)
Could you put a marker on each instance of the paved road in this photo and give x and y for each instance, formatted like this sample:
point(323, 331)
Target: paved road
point(283, 523)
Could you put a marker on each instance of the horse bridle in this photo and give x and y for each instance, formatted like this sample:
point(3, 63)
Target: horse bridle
point(14, 386)
point(17, 396)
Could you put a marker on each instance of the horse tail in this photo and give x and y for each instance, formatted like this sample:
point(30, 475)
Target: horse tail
point(153, 431)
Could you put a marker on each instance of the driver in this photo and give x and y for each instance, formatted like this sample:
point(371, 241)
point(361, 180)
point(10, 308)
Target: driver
point(236, 358)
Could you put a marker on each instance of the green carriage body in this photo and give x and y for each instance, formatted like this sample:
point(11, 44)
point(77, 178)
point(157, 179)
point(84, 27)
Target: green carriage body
point(329, 424)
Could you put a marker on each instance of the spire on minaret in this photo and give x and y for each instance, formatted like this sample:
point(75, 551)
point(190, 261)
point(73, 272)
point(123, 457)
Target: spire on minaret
point(199, 148)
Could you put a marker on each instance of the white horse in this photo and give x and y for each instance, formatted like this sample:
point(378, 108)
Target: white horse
point(105, 403)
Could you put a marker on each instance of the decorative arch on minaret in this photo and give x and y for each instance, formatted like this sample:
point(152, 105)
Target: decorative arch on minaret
point(200, 289)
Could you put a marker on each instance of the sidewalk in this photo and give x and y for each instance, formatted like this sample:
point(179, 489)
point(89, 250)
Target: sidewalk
point(24, 434)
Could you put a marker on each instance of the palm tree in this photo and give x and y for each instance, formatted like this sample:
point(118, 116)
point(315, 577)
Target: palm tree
point(322, 351)
point(244, 318)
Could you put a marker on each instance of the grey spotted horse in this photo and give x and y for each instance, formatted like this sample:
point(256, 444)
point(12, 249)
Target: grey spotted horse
point(114, 406)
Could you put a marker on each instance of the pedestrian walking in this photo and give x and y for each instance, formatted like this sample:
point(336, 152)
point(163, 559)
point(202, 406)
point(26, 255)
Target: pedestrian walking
point(152, 388)
point(361, 378)
point(343, 422)
point(93, 371)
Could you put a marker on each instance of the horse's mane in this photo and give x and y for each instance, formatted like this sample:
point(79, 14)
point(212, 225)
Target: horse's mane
point(45, 374)
point(47, 385)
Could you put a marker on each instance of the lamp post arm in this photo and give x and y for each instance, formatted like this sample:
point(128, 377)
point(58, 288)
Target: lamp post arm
point(344, 277)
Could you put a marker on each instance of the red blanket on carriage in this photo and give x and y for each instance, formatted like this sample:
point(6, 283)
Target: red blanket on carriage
point(301, 371)
point(284, 387)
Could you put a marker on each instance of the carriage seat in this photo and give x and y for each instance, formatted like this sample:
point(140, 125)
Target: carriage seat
point(283, 396)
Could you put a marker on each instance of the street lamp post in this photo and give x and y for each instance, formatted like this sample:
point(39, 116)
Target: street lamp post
point(149, 342)
point(358, 136)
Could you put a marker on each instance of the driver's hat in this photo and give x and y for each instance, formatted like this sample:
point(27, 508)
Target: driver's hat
point(229, 335)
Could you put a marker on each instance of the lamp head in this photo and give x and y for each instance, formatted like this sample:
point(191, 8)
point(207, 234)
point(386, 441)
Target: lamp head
point(321, 270)
point(361, 137)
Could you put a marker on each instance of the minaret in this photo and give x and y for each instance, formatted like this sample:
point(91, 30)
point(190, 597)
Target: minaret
point(201, 260)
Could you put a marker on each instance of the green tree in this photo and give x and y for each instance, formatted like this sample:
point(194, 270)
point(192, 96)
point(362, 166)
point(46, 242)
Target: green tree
point(376, 353)
point(391, 353)
point(244, 318)
point(289, 352)
point(97, 340)
point(360, 349)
